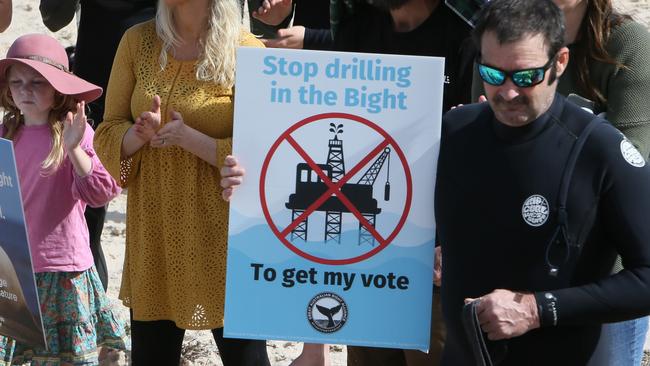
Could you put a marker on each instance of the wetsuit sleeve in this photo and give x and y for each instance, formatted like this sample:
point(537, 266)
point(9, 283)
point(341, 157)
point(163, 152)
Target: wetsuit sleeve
point(318, 39)
point(624, 208)
point(345, 39)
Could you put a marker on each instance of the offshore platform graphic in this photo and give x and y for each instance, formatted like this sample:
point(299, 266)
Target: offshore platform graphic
point(310, 187)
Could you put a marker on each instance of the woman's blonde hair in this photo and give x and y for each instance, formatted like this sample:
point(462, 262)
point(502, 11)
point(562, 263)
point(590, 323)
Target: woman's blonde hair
point(13, 119)
point(216, 61)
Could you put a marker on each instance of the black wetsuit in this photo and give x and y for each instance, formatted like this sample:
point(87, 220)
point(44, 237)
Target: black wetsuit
point(491, 239)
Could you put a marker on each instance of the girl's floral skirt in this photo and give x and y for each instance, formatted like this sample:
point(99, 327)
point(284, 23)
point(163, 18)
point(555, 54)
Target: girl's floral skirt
point(77, 318)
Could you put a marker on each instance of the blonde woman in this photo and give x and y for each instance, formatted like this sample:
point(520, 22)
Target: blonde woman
point(166, 136)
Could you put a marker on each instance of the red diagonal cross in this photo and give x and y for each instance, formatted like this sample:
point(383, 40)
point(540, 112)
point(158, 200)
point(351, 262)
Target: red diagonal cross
point(335, 188)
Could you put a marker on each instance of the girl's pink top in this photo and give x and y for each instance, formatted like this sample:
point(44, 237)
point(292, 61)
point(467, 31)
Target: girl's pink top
point(54, 205)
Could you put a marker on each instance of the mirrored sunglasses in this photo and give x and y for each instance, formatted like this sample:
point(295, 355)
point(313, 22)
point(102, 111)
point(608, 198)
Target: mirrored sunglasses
point(524, 78)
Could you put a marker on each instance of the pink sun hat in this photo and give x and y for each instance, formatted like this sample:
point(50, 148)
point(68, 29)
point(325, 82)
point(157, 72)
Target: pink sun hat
point(46, 55)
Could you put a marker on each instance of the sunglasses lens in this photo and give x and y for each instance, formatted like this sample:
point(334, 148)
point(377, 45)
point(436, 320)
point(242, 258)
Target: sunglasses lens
point(526, 78)
point(491, 76)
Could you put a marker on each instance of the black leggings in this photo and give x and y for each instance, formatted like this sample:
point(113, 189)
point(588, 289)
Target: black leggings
point(95, 217)
point(159, 343)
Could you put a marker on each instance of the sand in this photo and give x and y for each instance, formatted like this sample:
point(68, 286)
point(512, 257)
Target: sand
point(199, 348)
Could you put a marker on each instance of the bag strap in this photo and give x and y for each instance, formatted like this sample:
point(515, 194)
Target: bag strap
point(562, 229)
point(486, 353)
point(592, 122)
point(475, 335)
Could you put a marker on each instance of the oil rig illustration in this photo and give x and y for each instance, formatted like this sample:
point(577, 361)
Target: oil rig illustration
point(310, 187)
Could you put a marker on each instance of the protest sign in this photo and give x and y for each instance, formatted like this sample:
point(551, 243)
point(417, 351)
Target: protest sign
point(331, 236)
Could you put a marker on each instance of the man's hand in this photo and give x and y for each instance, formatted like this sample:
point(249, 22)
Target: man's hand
point(481, 99)
point(504, 314)
point(273, 12)
point(437, 267)
point(292, 37)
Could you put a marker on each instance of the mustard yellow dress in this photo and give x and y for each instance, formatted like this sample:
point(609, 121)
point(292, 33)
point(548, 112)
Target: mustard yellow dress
point(177, 223)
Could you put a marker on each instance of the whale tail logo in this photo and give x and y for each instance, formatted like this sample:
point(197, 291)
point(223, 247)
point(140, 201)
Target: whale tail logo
point(329, 313)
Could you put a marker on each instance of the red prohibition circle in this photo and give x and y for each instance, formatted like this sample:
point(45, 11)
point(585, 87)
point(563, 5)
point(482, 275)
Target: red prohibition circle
point(396, 148)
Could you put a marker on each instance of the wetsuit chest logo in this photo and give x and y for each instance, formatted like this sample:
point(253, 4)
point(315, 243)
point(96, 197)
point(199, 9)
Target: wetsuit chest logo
point(631, 154)
point(535, 210)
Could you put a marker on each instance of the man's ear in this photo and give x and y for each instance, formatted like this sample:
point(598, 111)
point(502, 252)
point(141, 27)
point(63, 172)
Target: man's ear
point(561, 61)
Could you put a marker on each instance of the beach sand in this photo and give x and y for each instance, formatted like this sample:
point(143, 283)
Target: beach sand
point(199, 348)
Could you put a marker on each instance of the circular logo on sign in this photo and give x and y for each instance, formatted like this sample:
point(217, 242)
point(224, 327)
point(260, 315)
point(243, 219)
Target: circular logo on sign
point(535, 210)
point(631, 154)
point(327, 312)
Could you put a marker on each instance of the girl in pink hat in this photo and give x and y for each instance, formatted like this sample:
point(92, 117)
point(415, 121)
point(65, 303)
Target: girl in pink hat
point(59, 175)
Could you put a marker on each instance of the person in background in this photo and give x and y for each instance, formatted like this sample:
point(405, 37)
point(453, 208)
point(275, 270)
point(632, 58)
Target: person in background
point(101, 25)
point(59, 175)
point(311, 23)
point(608, 66)
point(6, 10)
point(412, 27)
point(167, 136)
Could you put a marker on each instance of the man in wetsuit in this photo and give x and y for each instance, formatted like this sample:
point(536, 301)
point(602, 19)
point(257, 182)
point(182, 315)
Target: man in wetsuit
point(541, 273)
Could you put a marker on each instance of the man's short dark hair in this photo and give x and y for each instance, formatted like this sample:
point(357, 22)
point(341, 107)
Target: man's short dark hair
point(512, 20)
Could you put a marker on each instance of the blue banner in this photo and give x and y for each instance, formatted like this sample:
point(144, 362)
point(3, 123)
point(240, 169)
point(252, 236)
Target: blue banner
point(20, 316)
